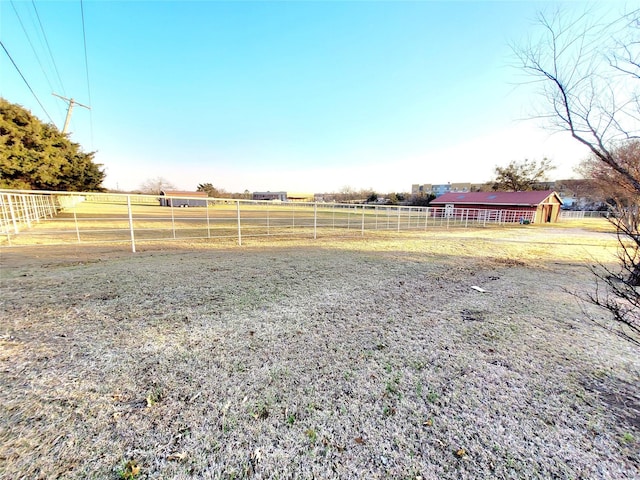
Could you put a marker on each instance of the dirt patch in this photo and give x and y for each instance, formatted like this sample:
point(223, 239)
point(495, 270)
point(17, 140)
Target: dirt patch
point(354, 359)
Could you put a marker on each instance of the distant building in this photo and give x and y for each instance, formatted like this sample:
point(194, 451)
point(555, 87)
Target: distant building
point(283, 196)
point(575, 193)
point(300, 197)
point(180, 198)
point(271, 196)
point(540, 206)
point(441, 189)
point(417, 189)
point(579, 194)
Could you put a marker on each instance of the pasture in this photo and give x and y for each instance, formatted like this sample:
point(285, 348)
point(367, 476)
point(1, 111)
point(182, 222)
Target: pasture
point(59, 218)
point(354, 358)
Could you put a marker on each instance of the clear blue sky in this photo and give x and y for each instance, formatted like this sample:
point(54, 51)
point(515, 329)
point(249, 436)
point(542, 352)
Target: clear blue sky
point(296, 96)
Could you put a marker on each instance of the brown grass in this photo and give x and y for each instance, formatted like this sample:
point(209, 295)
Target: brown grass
point(353, 358)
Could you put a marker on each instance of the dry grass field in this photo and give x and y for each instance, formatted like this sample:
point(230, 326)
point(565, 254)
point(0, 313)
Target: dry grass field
point(356, 358)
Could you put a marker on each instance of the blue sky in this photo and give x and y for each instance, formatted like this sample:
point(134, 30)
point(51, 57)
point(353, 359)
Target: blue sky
point(296, 96)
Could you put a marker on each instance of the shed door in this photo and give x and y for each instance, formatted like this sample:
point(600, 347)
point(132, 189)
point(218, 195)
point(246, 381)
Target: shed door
point(448, 210)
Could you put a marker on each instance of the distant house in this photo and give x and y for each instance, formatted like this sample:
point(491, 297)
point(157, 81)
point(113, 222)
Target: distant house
point(300, 197)
point(178, 198)
point(271, 196)
point(536, 206)
point(441, 189)
point(283, 196)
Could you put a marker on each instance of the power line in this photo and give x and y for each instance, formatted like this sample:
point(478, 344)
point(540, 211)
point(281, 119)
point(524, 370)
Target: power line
point(27, 83)
point(46, 40)
point(31, 44)
point(86, 68)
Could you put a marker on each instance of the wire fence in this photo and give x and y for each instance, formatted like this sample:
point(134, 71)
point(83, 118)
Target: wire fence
point(58, 218)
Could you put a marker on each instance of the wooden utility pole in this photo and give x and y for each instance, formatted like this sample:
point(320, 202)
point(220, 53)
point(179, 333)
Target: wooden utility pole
point(71, 102)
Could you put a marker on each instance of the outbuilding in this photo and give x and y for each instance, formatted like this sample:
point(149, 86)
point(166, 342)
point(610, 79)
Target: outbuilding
point(270, 196)
point(179, 198)
point(538, 206)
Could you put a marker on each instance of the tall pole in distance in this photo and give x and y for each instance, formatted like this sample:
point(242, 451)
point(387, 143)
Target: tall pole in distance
point(71, 102)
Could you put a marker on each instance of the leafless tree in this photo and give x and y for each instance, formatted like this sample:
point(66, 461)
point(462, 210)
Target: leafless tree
point(156, 185)
point(609, 185)
point(588, 72)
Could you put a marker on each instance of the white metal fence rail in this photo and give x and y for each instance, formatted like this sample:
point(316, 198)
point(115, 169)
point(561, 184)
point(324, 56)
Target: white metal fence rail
point(580, 214)
point(50, 218)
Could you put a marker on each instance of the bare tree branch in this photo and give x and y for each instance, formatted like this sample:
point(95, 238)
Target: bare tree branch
point(589, 72)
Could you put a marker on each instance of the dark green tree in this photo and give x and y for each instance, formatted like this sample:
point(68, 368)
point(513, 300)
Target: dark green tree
point(421, 199)
point(211, 190)
point(392, 199)
point(36, 156)
point(520, 177)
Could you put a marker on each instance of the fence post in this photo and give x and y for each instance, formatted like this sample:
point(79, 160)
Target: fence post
point(43, 205)
point(268, 221)
point(398, 207)
point(173, 222)
point(426, 218)
point(25, 210)
point(5, 216)
point(42, 212)
point(133, 240)
point(376, 210)
point(333, 216)
point(208, 225)
point(363, 220)
point(239, 229)
point(75, 220)
point(315, 221)
point(34, 205)
point(50, 206)
point(13, 214)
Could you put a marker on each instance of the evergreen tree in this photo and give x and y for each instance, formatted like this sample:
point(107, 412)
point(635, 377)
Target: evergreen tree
point(36, 156)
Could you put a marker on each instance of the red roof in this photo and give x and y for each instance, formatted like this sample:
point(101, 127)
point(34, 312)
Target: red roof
point(533, 198)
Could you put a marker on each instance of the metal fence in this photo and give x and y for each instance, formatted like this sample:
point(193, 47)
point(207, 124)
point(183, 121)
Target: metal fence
point(580, 214)
point(57, 218)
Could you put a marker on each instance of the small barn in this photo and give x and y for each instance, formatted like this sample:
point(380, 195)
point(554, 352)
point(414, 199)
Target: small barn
point(536, 206)
point(179, 198)
point(270, 196)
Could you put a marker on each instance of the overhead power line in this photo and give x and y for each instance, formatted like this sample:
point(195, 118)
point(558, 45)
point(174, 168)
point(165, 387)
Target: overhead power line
point(27, 83)
point(15, 10)
point(46, 40)
point(86, 68)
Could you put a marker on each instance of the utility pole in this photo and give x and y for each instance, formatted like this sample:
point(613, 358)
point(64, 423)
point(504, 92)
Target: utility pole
point(71, 102)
